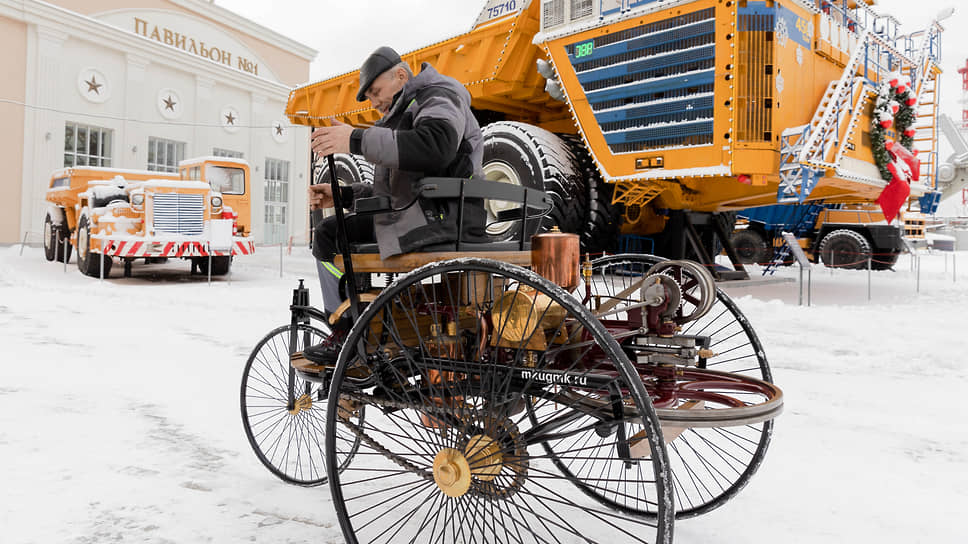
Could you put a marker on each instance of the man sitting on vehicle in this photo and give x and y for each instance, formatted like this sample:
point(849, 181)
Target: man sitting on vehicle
point(427, 130)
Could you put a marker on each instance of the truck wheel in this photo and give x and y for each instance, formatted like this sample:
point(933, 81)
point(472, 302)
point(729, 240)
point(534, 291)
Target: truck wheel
point(349, 169)
point(522, 154)
point(89, 263)
point(601, 219)
point(751, 247)
point(844, 248)
point(220, 265)
point(50, 239)
point(886, 260)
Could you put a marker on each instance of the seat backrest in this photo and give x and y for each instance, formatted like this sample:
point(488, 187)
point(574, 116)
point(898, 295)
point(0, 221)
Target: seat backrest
point(459, 188)
point(534, 202)
point(486, 189)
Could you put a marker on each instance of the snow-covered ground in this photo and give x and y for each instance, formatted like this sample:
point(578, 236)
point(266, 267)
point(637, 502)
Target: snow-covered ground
point(119, 408)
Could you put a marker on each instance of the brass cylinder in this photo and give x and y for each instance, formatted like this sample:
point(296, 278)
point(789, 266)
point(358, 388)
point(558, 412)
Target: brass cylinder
point(556, 255)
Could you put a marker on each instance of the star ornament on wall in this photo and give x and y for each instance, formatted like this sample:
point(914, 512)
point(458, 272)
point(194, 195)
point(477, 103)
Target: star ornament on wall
point(169, 103)
point(280, 130)
point(93, 85)
point(230, 119)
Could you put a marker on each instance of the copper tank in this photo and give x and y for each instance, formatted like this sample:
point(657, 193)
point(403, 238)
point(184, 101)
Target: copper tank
point(555, 255)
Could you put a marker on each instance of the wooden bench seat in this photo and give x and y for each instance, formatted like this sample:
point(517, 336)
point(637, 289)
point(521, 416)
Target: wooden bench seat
point(372, 263)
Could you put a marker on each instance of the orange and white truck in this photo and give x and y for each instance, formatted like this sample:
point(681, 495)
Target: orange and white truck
point(202, 213)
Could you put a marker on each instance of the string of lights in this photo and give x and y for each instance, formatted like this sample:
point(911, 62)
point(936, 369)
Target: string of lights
point(132, 120)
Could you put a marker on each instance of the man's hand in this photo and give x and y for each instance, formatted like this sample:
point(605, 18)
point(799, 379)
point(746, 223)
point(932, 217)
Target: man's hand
point(320, 196)
point(334, 139)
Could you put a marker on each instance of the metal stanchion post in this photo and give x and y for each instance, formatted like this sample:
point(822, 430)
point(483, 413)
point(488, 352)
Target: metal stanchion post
point(918, 274)
point(65, 254)
point(280, 259)
point(869, 258)
point(809, 285)
point(800, 300)
point(101, 256)
point(22, 244)
point(210, 266)
point(954, 268)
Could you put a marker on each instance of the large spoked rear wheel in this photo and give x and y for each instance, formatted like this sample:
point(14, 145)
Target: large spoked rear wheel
point(470, 365)
point(712, 457)
point(286, 433)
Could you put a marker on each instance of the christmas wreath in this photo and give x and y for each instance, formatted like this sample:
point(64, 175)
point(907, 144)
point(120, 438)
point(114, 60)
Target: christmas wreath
point(895, 160)
point(894, 108)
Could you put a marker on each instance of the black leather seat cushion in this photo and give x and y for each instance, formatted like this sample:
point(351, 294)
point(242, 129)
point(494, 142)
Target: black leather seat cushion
point(373, 247)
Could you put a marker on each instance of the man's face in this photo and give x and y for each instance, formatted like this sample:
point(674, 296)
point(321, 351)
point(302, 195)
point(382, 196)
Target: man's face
point(384, 87)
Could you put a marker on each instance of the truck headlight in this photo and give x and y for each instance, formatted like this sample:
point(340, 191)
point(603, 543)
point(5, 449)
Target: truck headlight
point(216, 202)
point(137, 199)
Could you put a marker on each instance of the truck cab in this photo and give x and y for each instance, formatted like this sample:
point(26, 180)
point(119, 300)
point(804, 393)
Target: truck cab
point(227, 176)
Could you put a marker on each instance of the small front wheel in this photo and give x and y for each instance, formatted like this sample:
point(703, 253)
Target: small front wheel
point(285, 433)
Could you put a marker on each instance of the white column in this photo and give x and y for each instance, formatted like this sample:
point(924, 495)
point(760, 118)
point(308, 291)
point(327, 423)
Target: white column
point(257, 159)
point(44, 134)
point(204, 106)
point(133, 140)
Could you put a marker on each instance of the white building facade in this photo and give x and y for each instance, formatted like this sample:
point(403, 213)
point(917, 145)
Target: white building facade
point(142, 85)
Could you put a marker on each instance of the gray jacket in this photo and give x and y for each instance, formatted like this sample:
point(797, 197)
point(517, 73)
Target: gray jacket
point(429, 131)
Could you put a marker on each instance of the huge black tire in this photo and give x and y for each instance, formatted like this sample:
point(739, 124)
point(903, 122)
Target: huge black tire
point(349, 169)
point(844, 248)
point(601, 219)
point(751, 246)
point(220, 265)
point(89, 263)
point(522, 154)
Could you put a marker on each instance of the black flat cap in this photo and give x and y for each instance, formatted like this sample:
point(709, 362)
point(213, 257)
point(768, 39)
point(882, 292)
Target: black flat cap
point(378, 62)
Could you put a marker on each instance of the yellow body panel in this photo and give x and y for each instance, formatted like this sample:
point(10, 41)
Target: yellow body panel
point(66, 194)
point(495, 61)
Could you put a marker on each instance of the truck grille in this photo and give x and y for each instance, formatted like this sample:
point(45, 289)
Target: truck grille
point(754, 108)
point(176, 213)
point(651, 86)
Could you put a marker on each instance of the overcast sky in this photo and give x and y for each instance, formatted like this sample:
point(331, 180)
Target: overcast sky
point(346, 31)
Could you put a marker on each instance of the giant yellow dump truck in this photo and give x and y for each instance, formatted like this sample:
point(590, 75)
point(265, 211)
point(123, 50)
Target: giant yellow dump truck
point(649, 118)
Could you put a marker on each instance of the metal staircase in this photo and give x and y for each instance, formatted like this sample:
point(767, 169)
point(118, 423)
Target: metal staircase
point(831, 122)
point(808, 151)
point(924, 78)
point(803, 225)
point(796, 180)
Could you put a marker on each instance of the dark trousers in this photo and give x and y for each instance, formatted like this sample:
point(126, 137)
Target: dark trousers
point(359, 229)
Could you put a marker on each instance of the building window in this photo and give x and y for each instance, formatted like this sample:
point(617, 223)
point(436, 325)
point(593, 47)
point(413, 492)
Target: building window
point(227, 153)
point(164, 155)
point(85, 145)
point(276, 200)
